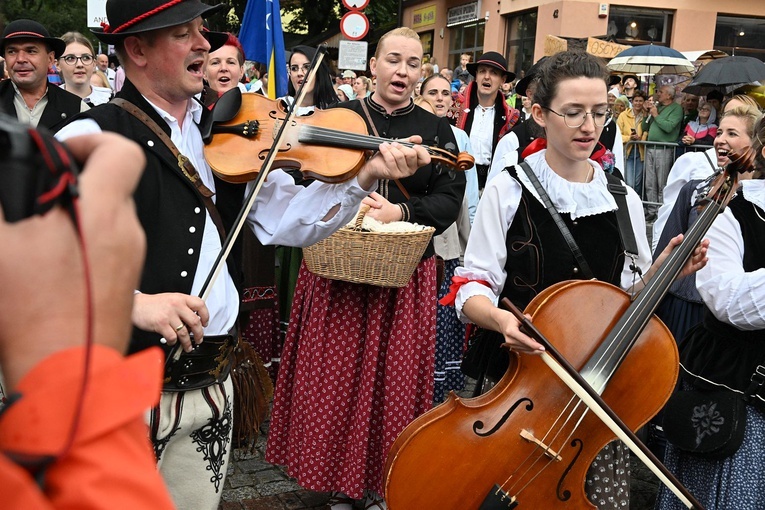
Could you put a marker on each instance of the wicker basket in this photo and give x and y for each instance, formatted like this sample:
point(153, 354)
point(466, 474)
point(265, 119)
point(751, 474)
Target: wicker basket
point(385, 259)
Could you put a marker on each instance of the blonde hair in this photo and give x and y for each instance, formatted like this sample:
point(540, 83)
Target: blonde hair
point(742, 98)
point(402, 31)
point(76, 37)
point(758, 145)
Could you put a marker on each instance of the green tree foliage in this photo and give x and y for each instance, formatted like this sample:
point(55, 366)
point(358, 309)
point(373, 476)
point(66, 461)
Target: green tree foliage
point(58, 16)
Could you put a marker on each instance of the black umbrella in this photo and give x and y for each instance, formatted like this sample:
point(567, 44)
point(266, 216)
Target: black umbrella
point(702, 89)
point(726, 72)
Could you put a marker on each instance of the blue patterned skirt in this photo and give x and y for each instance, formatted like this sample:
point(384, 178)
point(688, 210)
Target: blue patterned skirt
point(735, 483)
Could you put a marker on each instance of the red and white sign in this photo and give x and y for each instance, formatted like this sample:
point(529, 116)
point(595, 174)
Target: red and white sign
point(358, 5)
point(354, 25)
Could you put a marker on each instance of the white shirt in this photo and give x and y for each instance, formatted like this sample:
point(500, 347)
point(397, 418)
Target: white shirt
point(731, 294)
point(689, 166)
point(451, 243)
point(283, 213)
point(486, 252)
point(482, 134)
point(31, 116)
point(506, 154)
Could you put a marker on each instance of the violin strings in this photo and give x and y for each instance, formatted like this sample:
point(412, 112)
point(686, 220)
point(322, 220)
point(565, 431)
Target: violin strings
point(327, 135)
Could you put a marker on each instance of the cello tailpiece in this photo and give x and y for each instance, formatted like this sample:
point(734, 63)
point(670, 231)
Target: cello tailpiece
point(497, 499)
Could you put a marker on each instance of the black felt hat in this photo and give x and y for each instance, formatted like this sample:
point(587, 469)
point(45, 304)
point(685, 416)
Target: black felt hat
point(130, 17)
point(523, 84)
point(28, 29)
point(492, 59)
point(637, 80)
point(614, 80)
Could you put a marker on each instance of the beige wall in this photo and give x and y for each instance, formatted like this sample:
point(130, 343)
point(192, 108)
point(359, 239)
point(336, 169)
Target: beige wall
point(693, 26)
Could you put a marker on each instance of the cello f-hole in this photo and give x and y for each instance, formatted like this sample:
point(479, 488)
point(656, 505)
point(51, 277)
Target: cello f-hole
point(478, 425)
point(565, 495)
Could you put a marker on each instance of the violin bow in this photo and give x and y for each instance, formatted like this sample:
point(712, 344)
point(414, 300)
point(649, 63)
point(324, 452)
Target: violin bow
point(241, 218)
point(571, 377)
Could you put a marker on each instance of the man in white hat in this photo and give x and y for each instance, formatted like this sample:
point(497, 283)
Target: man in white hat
point(348, 77)
point(163, 47)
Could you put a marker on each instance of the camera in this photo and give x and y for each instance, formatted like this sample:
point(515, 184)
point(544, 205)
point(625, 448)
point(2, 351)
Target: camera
point(39, 172)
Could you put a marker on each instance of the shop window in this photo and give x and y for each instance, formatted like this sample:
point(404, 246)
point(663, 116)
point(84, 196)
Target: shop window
point(521, 37)
point(634, 26)
point(744, 36)
point(467, 38)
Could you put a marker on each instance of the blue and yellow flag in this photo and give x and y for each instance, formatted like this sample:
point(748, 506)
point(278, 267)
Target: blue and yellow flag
point(263, 41)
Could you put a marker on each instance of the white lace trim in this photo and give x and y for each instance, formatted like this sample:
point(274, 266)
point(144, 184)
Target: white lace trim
point(579, 199)
point(754, 192)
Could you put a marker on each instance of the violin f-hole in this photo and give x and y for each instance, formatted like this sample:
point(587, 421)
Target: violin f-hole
point(264, 153)
point(478, 425)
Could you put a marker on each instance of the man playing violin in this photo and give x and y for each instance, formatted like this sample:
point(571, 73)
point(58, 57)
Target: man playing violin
point(164, 49)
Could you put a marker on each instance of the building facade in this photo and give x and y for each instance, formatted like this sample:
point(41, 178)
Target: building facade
point(520, 28)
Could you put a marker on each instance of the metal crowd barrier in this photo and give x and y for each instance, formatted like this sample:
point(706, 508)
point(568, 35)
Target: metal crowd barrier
point(635, 171)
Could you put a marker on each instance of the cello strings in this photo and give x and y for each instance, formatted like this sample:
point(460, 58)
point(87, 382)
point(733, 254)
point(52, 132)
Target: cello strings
point(550, 447)
point(653, 292)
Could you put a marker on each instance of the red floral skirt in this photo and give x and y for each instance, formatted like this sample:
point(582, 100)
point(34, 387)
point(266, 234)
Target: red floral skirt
point(357, 368)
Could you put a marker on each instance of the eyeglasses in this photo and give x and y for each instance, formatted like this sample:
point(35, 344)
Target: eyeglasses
point(575, 117)
point(305, 67)
point(72, 59)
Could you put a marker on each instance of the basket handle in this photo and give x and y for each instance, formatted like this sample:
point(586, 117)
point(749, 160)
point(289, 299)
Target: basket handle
point(363, 210)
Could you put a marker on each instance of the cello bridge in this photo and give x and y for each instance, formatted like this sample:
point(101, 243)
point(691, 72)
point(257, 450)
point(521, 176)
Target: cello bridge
point(528, 436)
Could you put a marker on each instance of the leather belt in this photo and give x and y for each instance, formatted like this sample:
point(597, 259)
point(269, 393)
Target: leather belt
point(209, 363)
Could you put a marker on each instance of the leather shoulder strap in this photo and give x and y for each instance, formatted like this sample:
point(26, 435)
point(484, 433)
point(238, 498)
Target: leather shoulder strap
point(583, 265)
point(374, 131)
point(183, 162)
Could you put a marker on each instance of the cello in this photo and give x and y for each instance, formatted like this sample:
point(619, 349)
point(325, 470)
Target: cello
point(532, 436)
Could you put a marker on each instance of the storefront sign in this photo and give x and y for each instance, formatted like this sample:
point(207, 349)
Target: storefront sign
point(424, 16)
point(462, 14)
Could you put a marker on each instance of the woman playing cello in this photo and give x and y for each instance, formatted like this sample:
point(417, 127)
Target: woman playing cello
point(516, 250)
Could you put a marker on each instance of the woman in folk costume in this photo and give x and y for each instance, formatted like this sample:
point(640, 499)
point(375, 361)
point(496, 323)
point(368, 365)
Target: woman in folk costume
point(358, 360)
point(450, 343)
point(725, 351)
point(516, 250)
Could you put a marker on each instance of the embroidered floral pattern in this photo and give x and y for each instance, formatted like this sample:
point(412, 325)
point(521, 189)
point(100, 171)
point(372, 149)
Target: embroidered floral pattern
point(707, 420)
point(213, 441)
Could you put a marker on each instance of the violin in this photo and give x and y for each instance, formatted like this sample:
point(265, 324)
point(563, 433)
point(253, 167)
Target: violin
point(529, 441)
point(241, 136)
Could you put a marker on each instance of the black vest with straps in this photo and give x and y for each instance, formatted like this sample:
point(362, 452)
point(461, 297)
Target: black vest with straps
point(538, 255)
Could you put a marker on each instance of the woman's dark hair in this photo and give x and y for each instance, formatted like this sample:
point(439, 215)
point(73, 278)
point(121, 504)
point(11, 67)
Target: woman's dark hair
point(324, 94)
point(639, 93)
point(562, 66)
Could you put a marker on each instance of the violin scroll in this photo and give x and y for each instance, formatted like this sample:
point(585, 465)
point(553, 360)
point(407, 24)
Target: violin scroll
point(462, 161)
point(741, 162)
